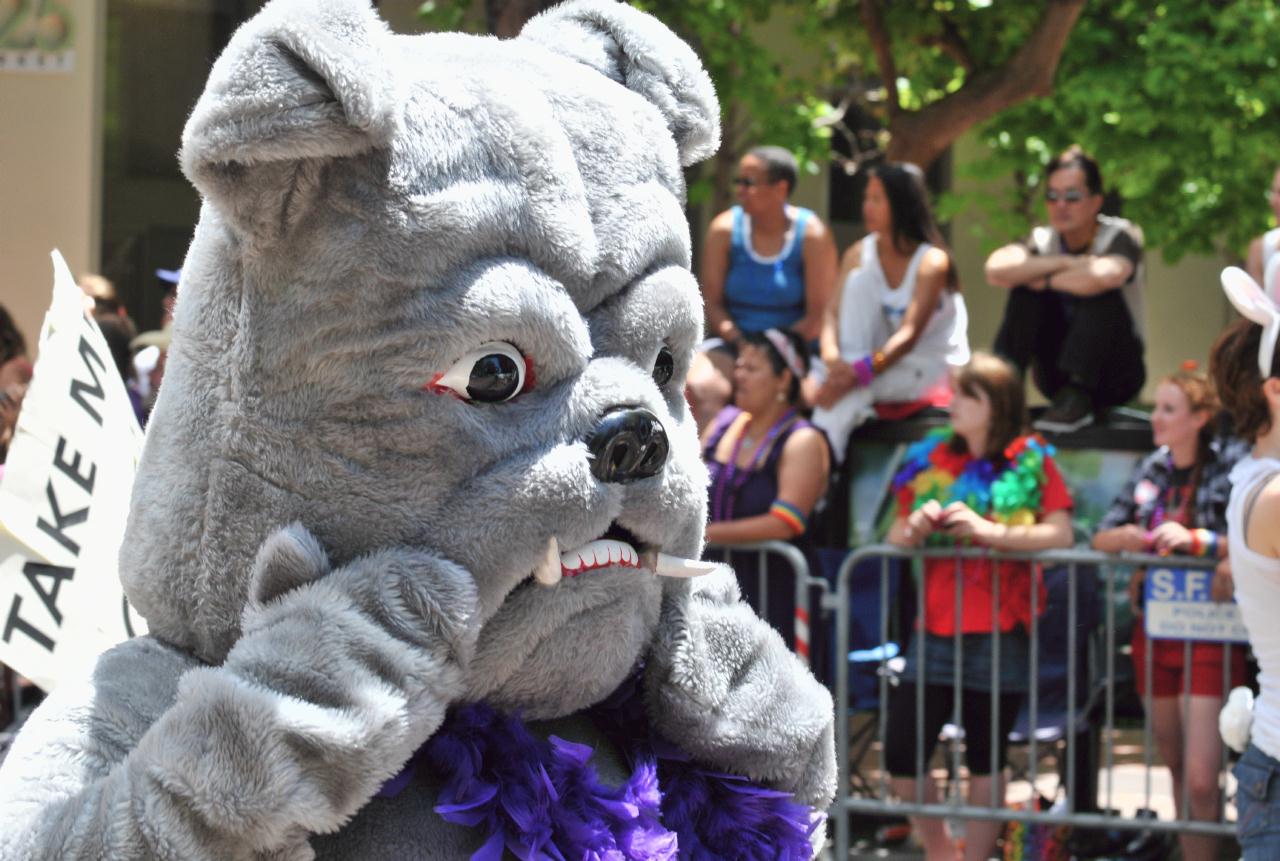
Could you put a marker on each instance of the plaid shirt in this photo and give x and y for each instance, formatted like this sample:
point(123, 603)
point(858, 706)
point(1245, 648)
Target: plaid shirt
point(1151, 481)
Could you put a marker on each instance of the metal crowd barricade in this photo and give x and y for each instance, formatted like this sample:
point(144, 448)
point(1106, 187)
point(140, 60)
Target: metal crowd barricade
point(847, 802)
point(804, 582)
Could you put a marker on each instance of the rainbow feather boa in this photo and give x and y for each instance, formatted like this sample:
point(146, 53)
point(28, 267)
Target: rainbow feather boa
point(932, 471)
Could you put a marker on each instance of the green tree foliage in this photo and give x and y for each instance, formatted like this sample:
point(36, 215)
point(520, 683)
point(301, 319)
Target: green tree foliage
point(1179, 101)
point(764, 96)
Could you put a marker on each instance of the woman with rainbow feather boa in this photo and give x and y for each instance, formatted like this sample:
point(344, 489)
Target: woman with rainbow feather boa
point(977, 483)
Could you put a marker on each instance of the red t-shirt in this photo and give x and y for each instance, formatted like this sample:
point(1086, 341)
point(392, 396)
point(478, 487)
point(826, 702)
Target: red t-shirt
point(1015, 579)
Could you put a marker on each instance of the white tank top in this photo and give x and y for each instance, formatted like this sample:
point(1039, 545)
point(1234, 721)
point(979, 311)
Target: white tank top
point(947, 333)
point(1271, 263)
point(1257, 586)
point(1270, 244)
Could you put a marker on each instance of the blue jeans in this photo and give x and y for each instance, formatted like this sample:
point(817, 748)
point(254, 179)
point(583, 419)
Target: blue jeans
point(1258, 805)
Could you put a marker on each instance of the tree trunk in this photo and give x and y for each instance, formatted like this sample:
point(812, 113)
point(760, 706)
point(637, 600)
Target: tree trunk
point(505, 17)
point(921, 136)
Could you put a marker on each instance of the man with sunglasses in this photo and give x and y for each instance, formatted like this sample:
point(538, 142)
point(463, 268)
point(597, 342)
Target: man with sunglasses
point(1074, 314)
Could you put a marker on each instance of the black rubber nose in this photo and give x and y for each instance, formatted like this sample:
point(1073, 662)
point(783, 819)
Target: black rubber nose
point(627, 445)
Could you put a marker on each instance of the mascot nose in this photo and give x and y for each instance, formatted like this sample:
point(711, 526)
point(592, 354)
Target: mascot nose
point(627, 445)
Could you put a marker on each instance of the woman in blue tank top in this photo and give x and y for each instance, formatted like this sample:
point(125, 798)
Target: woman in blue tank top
point(765, 292)
point(765, 265)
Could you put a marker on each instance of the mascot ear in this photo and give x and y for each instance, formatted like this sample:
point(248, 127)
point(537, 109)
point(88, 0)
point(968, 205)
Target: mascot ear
point(300, 83)
point(639, 52)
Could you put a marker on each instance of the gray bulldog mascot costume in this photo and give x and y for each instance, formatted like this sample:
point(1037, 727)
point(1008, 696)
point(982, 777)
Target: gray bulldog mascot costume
point(414, 526)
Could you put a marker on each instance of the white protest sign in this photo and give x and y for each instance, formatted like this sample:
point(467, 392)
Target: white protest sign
point(65, 497)
point(1178, 606)
point(33, 591)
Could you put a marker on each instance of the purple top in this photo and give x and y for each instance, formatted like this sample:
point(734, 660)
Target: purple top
point(745, 491)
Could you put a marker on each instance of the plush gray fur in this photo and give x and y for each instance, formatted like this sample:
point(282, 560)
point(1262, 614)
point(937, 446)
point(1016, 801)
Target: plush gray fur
point(327, 553)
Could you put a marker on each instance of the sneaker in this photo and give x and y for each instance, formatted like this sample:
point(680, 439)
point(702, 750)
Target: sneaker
point(1072, 409)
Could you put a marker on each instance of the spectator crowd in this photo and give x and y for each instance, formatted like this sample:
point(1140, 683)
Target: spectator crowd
point(804, 352)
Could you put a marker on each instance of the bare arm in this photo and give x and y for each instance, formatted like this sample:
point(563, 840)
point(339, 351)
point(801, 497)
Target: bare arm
point(1051, 533)
point(839, 377)
point(803, 470)
point(819, 278)
point(1262, 532)
point(931, 280)
point(1091, 274)
point(1015, 266)
point(829, 339)
point(1253, 262)
point(715, 267)
point(1129, 538)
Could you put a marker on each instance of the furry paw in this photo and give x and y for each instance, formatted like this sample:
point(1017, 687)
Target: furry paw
point(722, 683)
point(288, 559)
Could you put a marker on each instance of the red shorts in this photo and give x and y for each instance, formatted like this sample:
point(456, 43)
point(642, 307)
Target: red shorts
point(1167, 670)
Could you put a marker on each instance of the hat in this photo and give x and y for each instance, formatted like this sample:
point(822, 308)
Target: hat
point(169, 277)
point(155, 338)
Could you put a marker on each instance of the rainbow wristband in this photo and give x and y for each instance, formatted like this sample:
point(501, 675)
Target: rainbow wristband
point(788, 514)
point(864, 370)
point(1204, 542)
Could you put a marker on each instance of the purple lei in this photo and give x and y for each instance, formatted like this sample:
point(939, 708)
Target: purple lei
point(543, 799)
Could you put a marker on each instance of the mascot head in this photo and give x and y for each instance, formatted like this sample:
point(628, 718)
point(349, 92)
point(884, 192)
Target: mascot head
point(439, 297)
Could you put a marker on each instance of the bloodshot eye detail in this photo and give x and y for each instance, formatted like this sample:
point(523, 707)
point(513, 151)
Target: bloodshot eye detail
point(492, 373)
point(664, 366)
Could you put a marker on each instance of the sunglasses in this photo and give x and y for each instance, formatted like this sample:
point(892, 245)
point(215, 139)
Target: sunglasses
point(1071, 196)
point(745, 182)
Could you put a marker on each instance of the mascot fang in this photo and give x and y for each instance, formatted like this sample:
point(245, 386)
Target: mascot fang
point(419, 465)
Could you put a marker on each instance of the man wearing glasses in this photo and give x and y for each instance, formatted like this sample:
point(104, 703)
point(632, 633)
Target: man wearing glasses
point(1074, 313)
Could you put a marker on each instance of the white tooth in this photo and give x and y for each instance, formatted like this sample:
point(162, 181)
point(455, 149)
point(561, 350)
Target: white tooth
point(571, 560)
point(674, 566)
point(548, 572)
point(598, 553)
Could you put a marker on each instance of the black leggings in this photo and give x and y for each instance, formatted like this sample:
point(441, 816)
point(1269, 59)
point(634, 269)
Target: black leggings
point(975, 711)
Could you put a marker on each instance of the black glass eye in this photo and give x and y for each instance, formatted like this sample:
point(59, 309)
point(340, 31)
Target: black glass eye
point(495, 377)
point(664, 367)
point(492, 373)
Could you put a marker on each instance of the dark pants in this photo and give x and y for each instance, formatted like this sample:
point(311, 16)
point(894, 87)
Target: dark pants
point(1085, 341)
point(976, 715)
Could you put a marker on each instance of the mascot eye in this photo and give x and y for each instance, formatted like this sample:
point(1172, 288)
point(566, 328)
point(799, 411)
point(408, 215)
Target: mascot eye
point(663, 367)
point(491, 374)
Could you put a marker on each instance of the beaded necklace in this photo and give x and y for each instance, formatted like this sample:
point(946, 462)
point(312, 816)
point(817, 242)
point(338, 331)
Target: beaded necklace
point(729, 481)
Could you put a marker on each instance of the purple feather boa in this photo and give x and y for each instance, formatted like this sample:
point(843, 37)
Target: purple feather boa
point(544, 800)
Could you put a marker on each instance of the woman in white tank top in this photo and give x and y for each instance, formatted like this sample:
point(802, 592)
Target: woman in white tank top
point(898, 324)
point(1246, 371)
